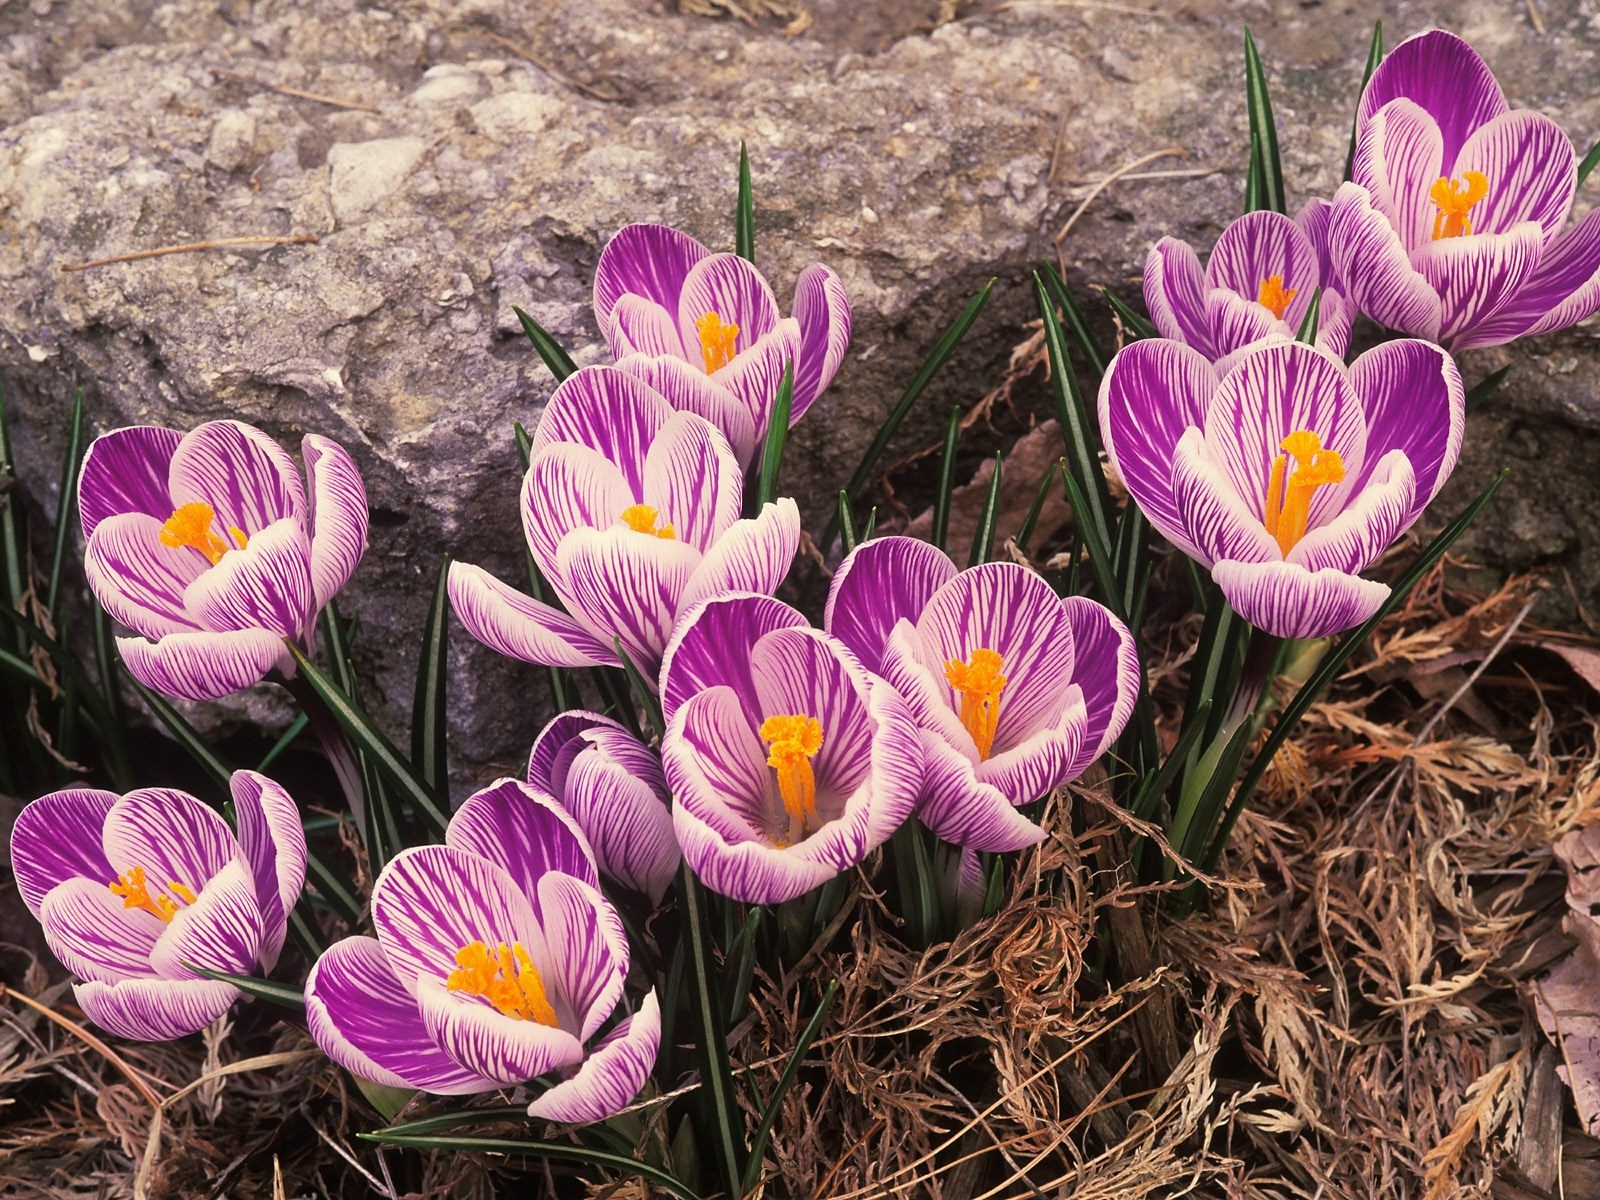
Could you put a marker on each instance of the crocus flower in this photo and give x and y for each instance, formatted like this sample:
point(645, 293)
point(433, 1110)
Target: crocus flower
point(1016, 689)
point(631, 511)
point(1453, 227)
point(208, 545)
point(496, 960)
point(1258, 283)
point(704, 330)
point(788, 762)
point(133, 889)
point(1289, 475)
point(611, 784)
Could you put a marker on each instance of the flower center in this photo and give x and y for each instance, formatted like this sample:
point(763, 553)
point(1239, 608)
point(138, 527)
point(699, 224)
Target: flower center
point(979, 682)
point(795, 740)
point(504, 976)
point(1454, 201)
point(190, 525)
point(135, 892)
point(1289, 492)
point(1274, 297)
point(717, 341)
point(641, 518)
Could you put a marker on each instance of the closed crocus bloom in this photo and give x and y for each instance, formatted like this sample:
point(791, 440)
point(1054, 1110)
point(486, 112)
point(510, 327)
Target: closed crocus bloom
point(1453, 227)
point(611, 784)
point(704, 330)
point(1017, 690)
point(496, 961)
point(788, 761)
point(631, 510)
point(1258, 283)
point(133, 889)
point(209, 546)
point(1289, 475)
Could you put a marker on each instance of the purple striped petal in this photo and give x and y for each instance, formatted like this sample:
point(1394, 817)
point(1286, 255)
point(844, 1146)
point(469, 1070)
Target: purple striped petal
point(519, 626)
point(1377, 273)
point(247, 478)
point(1531, 168)
point(125, 471)
point(610, 1077)
point(611, 412)
point(1174, 293)
point(1216, 520)
point(614, 788)
point(1106, 670)
point(1313, 220)
point(898, 763)
point(202, 666)
point(1237, 322)
point(822, 311)
point(1398, 157)
point(559, 743)
point(732, 288)
point(751, 871)
point(640, 326)
point(1334, 319)
point(628, 585)
point(1258, 246)
point(756, 375)
point(1153, 391)
point(965, 811)
point(1034, 768)
point(692, 480)
point(1413, 399)
point(1444, 75)
point(363, 1019)
point(1378, 514)
point(267, 585)
point(1564, 290)
point(169, 834)
point(877, 584)
point(338, 514)
point(140, 582)
point(588, 951)
point(1476, 276)
point(913, 666)
point(155, 1010)
point(489, 1043)
point(57, 838)
point(689, 389)
point(711, 646)
point(274, 845)
point(1289, 601)
point(754, 555)
point(716, 766)
point(94, 936)
point(644, 260)
point(523, 831)
point(221, 930)
point(570, 487)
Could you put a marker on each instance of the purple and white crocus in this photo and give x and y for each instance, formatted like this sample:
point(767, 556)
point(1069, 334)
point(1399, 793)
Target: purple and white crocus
point(631, 511)
point(134, 891)
point(1258, 283)
point(1453, 228)
point(211, 547)
point(1289, 475)
point(496, 961)
point(788, 761)
point(705, 330)
point(1016, 689)
point(612, 785)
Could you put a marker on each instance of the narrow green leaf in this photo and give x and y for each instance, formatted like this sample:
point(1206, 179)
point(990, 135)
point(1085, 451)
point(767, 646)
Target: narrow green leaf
point(517, 1113)
point(1025, 531)
point(331, 889)
point(13, 580)
point(1308, 327)
point(744, 219)
point(555, 358)
point(1590, 161)
point(1486, 387)
point(919, 889)
point(847, 522)
point(356, 772)
point(720, 1109)
point(71, 464)
point(983, 535)
point(947, 480)
point(1157, 782)
point(1087, 343)
point(557, 1151)
point(742, 957)
point(428, 748)
point(1374, 57)
point(185, 735)
point(1079, 430)
point(1131, 562)
point(262, 989)
point(286, 739)
point(1263, 130)
point(646, 698)
point(868, 529)
point(1099, 555)
point(1193, 822)
point(777, 436)
point(791, 1071)
point(1136, 325)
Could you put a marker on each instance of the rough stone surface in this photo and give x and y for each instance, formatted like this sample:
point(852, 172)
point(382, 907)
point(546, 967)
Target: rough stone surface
point(471, 156)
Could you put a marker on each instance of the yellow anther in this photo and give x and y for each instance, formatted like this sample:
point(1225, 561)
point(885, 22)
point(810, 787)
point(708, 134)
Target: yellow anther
point(1288, 506)
point(504, 976)
point(134, 889)
point(1274, 297)
point(1454, 202)
point(795, 741)
point(718, 341)
point(979, 681)
point(190, 525)
point(641, 518)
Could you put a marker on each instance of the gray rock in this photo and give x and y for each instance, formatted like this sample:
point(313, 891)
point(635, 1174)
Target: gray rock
point(471, 157)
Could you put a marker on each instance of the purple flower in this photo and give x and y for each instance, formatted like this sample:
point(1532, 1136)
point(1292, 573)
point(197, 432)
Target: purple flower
point(631, 510)
point(1257, 284)
point(208, 545)
point(496, 960)
point(1016, 689)
point(612, 786)
point(1452, 229)
point(704, 330)
point(1289, 475)
point(788, 762)
point(130, 889)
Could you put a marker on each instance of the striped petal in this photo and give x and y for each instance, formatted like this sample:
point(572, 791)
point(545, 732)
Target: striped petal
point(588, 951)
point(879, 583)
point(627, 585)
point(155, 1010)
point(711, 647)
point(1106, 670)
point(1398, 157)
point(1174, 293)
point(489, 1043)
point(1445, 76)
point(1564, 290)
point(611, 412)
point(756, 375)
point(247, 478)
point(732, 288)
point(1531, 168)
point(1414, 401)
point(822, 310)
point(645, 260)
point(640, 326)
point(220, 931)
point(170, 835)
point(202, 666)
point(689, 389)
point(716, 768)
point(1313, 220)
point(611, 1076)
point(57, 838)
point(273, 842)
point(1289, 601)
point(692, 480)
point(1216, 520)
point(567, 487)
point(94, 936)
point(1034, 768)
point(338, 515)
point(1237, 322)
point(140, 582)
point(898, 763)
point(1477, 276)
point(522, 830)
point(125, 471)
point(754, 555)
point(519, 626)
point(1257, 247)
point(267, 585)
point(964, 810)
point(1358, 536)
point(1378, 277)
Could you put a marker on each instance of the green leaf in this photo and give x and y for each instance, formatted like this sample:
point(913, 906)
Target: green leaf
point(331, 889)
point(555, 358)
point(105, 665)
point(1486, 387)
point(1374, 57)
point(185, 735)
point(1099, 554)
point(1087, 342)
point(744, 217)
point(286, 739)
point(362, 785)
point(1308, 327)
point(1590, 161)
point(791, 1071)
point(777, 436)
point(455, 1120)
point(1025, 530)
point(1266, 169)
point(847, 522)
point(262, 989)
point(947, 480)
point(13, 578)
point(428, 747)
point(1158, 781)
point(720, 1109)
point(983, 535)
point(642, 693)
point(917, 884)
point(70, 466)
point(741, 956)
point(1136, 325)
point(1131, 562)
point(556, 1151)
point(1078, 427)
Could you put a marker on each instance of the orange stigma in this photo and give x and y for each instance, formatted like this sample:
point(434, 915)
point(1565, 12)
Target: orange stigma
point(135, 892)
point(979, 682)
point(191, 525)
point(504, 976)
point(641, 518)
point(795, 741)
point(1274, 297)
point(1454, 202)
point(718, 342)
point(1289, 493)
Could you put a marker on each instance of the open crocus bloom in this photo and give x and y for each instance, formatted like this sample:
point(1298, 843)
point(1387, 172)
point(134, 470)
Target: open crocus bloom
point(1257, 284)
point(704, 330)
point(132, 890)
point(208, 546)
point(1017, 690)
point(788, 762)
point(612, 785)
point(496, 960)
point(1452, 229)
point(1289, 475)
point(631, 510)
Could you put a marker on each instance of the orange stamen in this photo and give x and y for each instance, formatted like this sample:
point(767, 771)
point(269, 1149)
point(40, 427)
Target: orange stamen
point(190, 525)
point(718, 342)
point(979, 682)
point(795, 741)
point(504, 976)
point(1274, 297)
point(1288, 507)
point(134, 889)
point(641, 518)
point(1454, 202)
